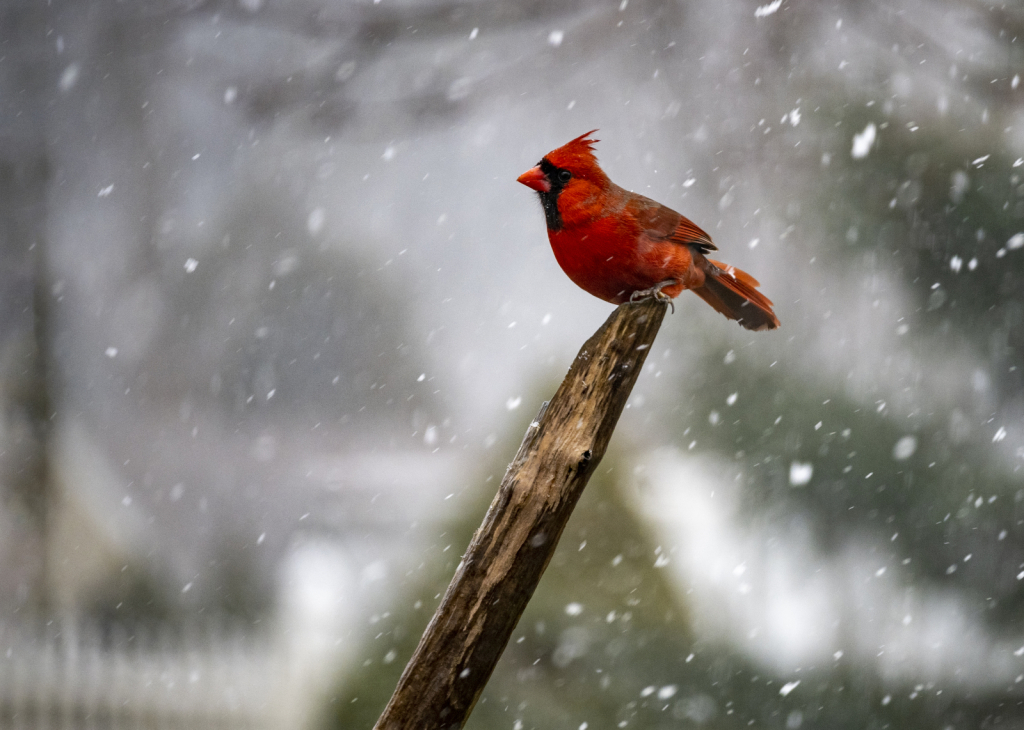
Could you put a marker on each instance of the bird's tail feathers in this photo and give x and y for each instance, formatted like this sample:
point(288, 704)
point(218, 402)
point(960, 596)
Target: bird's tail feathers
point(734, 293)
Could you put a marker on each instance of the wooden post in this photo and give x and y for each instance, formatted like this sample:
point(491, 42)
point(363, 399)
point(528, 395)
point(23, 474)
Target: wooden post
point(511, 549)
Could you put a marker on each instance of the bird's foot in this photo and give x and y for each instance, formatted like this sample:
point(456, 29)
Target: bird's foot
point(655, 292)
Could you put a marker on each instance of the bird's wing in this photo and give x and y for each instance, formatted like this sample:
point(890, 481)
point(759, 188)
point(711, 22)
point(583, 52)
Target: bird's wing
point(661, 223)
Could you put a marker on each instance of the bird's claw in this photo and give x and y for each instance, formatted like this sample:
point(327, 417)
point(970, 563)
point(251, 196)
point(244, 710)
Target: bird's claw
point(656, 293)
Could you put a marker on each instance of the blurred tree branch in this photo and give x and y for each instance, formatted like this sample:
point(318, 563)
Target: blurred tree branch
point(519, 534)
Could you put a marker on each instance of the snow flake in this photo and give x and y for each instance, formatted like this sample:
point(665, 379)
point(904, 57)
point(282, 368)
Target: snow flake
point(904, 448)
point(800, 473)
point(789, 687)
point(864, 141)
point(960, 182)
point(667, 691)
point(315, 221)
point(763, 11)
point(69, 77)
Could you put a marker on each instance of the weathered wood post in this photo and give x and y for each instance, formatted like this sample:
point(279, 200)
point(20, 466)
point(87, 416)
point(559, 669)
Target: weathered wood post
point(511, 549)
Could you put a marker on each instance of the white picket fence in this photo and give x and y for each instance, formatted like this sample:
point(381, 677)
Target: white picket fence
point(72, 675)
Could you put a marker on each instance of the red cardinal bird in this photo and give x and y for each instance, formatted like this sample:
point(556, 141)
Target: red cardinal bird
point(621, 246)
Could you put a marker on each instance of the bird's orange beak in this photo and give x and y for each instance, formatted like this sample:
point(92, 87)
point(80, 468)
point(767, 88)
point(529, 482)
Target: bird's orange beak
point(536, 179)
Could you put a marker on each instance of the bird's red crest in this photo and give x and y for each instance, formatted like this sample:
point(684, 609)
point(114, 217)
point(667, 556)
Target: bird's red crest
point(582, 144)
point(577, 154)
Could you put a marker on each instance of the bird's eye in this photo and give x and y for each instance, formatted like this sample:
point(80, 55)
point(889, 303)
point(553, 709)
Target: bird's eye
point(564, 175)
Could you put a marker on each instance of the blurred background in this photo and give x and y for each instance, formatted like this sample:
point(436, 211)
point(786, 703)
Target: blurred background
point(275, 316)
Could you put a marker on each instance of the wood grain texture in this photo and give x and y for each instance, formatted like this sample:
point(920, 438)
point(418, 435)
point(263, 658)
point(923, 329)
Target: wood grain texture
point(511, 549)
